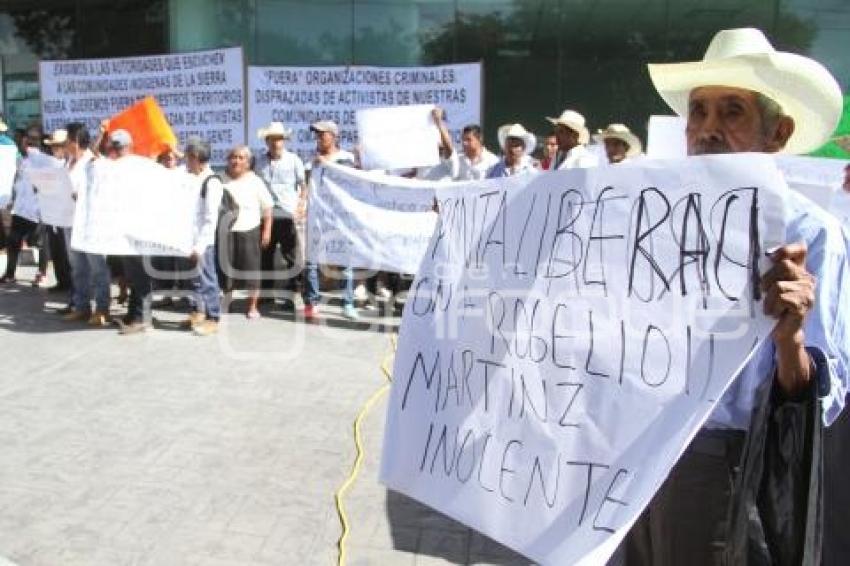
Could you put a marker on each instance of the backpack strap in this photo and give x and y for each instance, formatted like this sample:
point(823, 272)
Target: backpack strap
point(206, 182)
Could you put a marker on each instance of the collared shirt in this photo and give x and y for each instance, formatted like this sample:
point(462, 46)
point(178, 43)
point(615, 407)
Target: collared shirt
point(253, 198)
point(577, 158)
point(526, 165)
point(826, 325)
point(284, 177)
point(206, 213)
point(465, 169)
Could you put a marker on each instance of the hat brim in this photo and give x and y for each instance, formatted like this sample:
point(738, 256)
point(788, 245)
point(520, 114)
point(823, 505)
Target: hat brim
point(529, 139)
point(804, 89)
point(583, 132)
point(635, 147)
point(264, 133)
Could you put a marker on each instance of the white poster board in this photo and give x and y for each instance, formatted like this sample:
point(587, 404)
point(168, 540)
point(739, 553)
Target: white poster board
point(53, 189)
point(369, 221)
point(556, 335)
point(133, 206)
point(8, 166)
point(665, 137)
point(201, 93)
point(398, 137)
point(816, 178)
point(300, 96)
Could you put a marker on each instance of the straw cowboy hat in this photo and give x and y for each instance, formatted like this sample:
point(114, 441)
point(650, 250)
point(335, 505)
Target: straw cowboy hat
point(574, 121)
point(274, 129)
point(58, 137)
point(622, 133)
point(517, 131)
point(744, 58)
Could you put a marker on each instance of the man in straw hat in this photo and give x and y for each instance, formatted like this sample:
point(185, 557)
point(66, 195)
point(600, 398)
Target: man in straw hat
point(517, 144)
point(573, 135)
point(283, 173)
point(738, 495)
point(620, 143)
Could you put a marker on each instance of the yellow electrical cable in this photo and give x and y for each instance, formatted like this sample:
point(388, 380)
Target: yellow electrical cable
point(386, 369)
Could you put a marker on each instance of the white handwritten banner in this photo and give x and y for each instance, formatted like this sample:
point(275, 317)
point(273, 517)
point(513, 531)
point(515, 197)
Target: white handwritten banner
point(54, 190)
point(8, 167)
point(368, 220)
point(201, 93)
point(133, 206)
point(300, 96)
point(566, 337)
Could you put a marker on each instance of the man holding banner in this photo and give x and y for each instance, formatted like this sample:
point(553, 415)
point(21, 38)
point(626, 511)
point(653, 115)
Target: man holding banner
point(737, 100)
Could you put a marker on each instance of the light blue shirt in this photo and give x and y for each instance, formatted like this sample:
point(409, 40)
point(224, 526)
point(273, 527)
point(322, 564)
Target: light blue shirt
point(825, 326)
point(283, 177)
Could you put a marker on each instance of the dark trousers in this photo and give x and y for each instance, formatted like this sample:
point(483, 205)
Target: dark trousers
point(141, 286)
point(836, 501)
point(278, 259)
point(22, 230)
point(60, 257)
point(687, 520)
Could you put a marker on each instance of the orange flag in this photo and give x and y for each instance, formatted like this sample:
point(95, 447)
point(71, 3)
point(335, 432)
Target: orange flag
point(146, 123)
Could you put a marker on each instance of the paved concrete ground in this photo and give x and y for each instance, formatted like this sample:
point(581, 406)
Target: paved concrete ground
point(168, 449)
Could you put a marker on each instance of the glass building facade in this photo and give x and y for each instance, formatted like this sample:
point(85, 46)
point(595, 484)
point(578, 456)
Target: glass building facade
point(539, 56)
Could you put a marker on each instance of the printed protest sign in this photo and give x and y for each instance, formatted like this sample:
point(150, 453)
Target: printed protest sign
point(300, 96)
point(368, 221)
point(201, 93)
point(567, 335)
point(133, 206)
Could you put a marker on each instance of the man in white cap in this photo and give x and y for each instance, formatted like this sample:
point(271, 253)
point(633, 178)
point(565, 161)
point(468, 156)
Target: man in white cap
point(621, 144)
point(517, 144)
point(717, 507)
point(328, 151)
point(283, 173)
point(573, 135)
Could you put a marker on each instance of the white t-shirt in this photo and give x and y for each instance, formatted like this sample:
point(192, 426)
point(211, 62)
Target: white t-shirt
point(252, 196)
point(464, 169)
point(283, 177)
point(578, 157)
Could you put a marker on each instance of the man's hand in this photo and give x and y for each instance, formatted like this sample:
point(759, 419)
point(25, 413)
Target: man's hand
point(789, 296)
point(438, 114)
point(789, 291)
point(265, 239)
point(194, 257)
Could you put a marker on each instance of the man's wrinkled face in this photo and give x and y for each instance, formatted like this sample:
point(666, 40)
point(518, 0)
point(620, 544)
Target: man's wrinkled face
point(724, 120)
point(193, 163)
point(615, 149)
point(514, 150)
point(275, 146)
point(567, 137)
point(237, 164)
point(325, 142)
point(57, 151)
point(471, 144)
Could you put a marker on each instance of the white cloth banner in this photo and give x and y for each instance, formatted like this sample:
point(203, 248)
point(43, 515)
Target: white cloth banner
point(368, 220)
point(8, 167)
point(665, 137)
point(201, 93)
point(133, 206)
point(53, 189)
point(299, 96)
point(398, 137)
point(567, 335)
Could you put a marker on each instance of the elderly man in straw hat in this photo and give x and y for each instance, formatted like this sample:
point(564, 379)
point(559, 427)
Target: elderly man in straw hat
point(573, 135)
point(517, 144)
point(283, 173)
point(620, 143)
point(717, 506)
